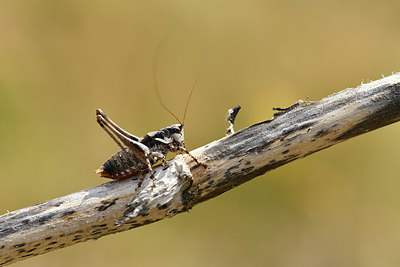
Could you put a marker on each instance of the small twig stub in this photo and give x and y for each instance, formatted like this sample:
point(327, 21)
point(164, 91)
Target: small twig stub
point(230, 118)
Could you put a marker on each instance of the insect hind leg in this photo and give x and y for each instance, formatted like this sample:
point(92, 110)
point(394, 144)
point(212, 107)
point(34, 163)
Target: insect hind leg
point(105, 118)
point(104, 124)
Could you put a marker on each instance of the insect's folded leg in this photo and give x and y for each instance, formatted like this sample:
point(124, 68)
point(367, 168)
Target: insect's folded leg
point(100, 113)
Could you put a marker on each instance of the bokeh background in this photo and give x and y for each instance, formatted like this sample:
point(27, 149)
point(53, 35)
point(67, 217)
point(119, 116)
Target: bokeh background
point(60, 60)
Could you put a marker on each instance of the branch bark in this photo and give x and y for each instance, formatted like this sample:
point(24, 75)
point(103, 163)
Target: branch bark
point(115, 206)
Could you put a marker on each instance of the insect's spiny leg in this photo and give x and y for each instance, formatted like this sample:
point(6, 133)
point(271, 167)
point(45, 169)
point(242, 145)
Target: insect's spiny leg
point(100, 113)
point(136, 147)
point(109, 133)
point(142, 176)
point(151, 171)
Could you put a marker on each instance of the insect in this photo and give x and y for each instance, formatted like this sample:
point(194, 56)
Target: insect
point(140, 154)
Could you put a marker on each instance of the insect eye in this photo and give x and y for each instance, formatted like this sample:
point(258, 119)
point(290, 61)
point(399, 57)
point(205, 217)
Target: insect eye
point(177, 137)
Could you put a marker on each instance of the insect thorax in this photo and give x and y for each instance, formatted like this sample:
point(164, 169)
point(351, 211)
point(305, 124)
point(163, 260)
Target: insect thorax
point(167, 139)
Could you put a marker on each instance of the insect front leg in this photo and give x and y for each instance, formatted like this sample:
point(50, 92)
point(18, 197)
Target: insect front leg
point(159, 156)
point(183, 149)
point(151, 171)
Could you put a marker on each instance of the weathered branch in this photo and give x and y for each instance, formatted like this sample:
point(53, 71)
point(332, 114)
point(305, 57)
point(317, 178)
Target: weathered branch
point(115, 206)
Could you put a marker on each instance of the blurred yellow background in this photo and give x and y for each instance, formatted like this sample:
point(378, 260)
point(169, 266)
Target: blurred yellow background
point(60, 60)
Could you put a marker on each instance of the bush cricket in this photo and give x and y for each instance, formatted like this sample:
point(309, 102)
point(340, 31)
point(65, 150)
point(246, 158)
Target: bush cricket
point(140, 154)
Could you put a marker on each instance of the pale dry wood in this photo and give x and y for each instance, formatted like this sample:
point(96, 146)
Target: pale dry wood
point(231, 161)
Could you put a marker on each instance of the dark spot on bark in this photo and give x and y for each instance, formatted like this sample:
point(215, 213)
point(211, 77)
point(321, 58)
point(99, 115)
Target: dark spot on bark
point(187, 197)
point(286, 151)
point(19, 245)
point(36, 245)
point(170, 213)
point(50, 248)
point(52, 243)
point(67, 213)
point(291, 156)
point(107, 204)
point(58, 203)
point(99, 225)
point(293, 137)
point(93, 233)
point(32, 249)
point(228, 173)
point(272, 161)
point(164, 206)
point(143, 211)
point(247, 169)
point(262, 147)
point(44, 219)
point(211, 182)
point(7, 261)
point(28, 255)
point(71, 233)
point(194, 166)
point(21, 250)
point(48, 238)
point(208, 177)
point(2, 246)
point(299, 128)
point(207, 186)
point(97, 230)
point(322, 133)
point(61, 245)
point(247, 162)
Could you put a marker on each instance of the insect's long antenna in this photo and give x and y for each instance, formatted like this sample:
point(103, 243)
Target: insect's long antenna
point(199, 74)
point(156, 56)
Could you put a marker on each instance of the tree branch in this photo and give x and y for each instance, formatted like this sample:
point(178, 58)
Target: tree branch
point(115, 206)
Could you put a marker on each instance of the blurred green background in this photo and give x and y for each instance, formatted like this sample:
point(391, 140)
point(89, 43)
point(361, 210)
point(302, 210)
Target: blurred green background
point(60, 60)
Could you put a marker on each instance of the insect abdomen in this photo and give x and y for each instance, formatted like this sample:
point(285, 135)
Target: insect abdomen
point(121, 165)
